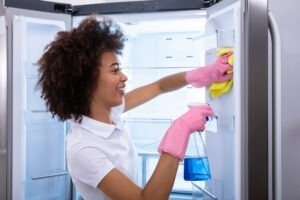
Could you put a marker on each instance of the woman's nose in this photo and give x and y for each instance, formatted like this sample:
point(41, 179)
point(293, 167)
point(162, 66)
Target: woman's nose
point(123, 77)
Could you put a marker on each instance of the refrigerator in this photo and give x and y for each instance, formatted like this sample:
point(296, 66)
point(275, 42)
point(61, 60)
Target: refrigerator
point(251, 144)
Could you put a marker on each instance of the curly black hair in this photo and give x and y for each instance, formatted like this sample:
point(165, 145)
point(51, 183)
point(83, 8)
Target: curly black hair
point(69, 68)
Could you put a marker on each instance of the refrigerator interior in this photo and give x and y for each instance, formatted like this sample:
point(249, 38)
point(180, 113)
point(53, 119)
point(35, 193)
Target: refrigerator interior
point(168, 42)
point(39, 166)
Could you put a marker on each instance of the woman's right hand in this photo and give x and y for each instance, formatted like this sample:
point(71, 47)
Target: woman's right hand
point(216, 72)
point(177, 136)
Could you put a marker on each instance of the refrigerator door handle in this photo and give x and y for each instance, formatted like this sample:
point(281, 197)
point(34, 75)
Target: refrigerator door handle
point(276, 104)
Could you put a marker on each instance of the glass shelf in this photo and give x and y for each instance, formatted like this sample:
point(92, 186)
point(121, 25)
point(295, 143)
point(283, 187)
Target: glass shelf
point(207, 190)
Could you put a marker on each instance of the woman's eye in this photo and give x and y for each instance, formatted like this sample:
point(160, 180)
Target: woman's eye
point(116, 69)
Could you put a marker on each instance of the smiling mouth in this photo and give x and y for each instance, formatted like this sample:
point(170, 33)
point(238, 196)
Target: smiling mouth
point(121, 90)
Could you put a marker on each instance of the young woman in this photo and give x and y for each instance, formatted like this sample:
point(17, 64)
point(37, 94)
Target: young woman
point(81, 79)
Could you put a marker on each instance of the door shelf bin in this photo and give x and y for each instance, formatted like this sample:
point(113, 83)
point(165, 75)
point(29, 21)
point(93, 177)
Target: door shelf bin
point(216, 39)
point(222, 124)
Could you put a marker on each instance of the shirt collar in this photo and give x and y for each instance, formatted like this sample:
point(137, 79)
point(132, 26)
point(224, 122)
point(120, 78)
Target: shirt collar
point(100, 128)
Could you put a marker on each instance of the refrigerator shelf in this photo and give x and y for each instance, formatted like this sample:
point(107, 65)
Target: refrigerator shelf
point(31, 69)
point(40, 117)
point(63, 173)
point(207, 190)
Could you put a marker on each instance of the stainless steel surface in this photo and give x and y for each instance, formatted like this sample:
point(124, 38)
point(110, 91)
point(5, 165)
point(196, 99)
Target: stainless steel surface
point(256, 91)
point(276, 105)
point(2, 9)
point(287, 16)
point(3, 108)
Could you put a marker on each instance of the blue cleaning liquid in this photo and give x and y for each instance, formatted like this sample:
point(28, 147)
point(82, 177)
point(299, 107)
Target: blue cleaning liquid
point(196, 169)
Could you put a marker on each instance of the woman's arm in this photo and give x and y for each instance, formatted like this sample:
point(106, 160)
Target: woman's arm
point(172, 148)
point(119, 187)
point(200, 77)
point(145, 93)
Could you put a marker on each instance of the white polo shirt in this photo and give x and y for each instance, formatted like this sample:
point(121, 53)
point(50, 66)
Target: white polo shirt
point(95, 148)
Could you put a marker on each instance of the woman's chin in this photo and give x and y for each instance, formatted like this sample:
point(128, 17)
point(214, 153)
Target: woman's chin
point(117, 103)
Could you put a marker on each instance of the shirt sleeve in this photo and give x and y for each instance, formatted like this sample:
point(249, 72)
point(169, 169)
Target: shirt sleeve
point(89, 165)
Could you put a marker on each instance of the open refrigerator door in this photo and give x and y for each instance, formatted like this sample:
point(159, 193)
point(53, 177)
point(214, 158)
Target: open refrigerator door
point(39, 163)
point(223, 132)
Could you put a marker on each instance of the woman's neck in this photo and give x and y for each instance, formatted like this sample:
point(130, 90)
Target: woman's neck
point(100, 113)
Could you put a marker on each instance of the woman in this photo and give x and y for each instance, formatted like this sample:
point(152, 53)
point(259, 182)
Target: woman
point(81, 80)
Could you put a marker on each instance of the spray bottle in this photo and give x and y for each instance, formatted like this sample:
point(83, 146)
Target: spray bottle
point(196, 165)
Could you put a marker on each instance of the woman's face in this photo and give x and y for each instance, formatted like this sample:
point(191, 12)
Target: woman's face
point(111, 82)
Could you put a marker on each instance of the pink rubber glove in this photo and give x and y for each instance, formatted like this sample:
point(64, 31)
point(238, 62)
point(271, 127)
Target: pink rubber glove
point(176, 138)
point(216, 72)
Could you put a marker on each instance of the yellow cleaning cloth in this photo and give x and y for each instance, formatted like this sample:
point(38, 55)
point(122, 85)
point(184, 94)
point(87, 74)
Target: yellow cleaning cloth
point(218, 89)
